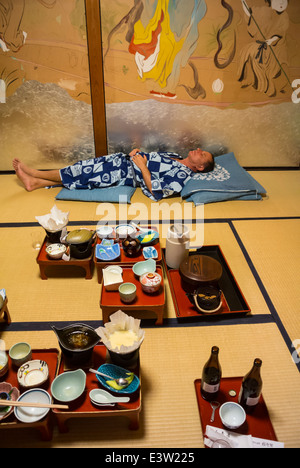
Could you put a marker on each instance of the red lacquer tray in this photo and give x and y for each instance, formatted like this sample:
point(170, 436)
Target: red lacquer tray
point(184, 307)
point(111, 302)
point(233, 301)
point(112, 298)
point(44, 262)
point(51, 357)
point(83, 406)
point(123, 259)
point(258, 424)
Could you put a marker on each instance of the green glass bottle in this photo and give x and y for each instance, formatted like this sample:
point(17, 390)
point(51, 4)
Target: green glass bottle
point(211, 376)
point(251, 387)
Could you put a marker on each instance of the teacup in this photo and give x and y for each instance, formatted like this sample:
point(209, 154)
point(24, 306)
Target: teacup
point(127, 292)
point(20, 353)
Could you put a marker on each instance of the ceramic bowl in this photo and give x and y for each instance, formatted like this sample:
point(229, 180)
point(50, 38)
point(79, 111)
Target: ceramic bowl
point(232, 415)
point(150, 252)
point(124, 230)
point(7, 391)
point(69, 386)
point(127, 292)
point(56, 251)
point(33, 374)
point(148, 266)
point(116, 372)
point(20, 353)
point(107, 252)
point(150, 282)
point(3, 363)
point(106, 242)
point(104, 231)
point(148, 237)
point(31, 415)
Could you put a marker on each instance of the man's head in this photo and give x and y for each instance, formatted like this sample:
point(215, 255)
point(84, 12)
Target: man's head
point(200, 161)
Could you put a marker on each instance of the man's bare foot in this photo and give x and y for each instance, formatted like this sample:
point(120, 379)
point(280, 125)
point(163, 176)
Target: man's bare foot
point(17, 164)
point(27, 180)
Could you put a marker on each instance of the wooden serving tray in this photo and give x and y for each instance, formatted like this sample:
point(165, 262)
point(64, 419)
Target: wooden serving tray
point(44, 261)
point(258, 424)
point(51, 357)
point(111, 302)
point(83, 407)
point(233, 301)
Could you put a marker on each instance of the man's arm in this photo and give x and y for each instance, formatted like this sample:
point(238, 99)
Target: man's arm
point(141, 162)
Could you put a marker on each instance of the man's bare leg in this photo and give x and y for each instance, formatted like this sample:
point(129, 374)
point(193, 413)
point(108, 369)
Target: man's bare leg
point(33, 183)
point(52, 175)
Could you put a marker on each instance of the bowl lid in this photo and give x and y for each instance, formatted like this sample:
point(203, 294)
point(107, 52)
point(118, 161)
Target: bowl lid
point(200, 268)
point(79, 236)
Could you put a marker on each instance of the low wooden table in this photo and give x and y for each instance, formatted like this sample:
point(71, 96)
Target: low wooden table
point(45, 426)
point(44, 261)
point(4, 313)
point(84, 408)
point(111, 302)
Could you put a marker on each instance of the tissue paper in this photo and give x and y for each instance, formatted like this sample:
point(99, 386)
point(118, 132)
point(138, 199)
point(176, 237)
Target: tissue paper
point(121, 322)
point(2, 297)
point(54, 221)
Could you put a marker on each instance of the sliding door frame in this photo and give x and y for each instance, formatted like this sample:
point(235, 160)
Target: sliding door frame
point(94, 41)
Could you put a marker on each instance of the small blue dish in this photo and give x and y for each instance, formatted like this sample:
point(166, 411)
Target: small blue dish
point(150, 252)
point(148, 237)
point(107, 242)
point(108, 252)
point(116, 372)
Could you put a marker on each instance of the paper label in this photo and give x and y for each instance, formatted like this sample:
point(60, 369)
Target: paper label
point(252, 401)
point(210, 388)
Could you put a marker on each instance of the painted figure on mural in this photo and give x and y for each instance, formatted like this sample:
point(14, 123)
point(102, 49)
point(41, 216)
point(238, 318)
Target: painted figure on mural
point(11, 35)
point(265, 59)
point(162, 36)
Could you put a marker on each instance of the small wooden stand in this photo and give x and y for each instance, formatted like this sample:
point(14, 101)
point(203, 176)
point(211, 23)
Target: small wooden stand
point(44, 262)
point(4, 313)
point(110, 301)
point(84, 408)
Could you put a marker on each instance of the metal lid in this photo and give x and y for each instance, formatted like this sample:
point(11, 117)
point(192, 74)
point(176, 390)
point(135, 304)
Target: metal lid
point(79, 236)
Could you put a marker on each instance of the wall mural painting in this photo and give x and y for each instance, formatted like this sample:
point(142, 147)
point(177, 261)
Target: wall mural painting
point(215, 68)
point(45, 103)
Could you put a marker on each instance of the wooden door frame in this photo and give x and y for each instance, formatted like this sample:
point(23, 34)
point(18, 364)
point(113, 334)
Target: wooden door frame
point(94, 41)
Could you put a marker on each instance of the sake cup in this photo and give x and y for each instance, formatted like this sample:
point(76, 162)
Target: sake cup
point(127, 292)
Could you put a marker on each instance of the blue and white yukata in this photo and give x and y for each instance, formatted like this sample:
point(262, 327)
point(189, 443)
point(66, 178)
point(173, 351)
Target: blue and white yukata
point(168, 176)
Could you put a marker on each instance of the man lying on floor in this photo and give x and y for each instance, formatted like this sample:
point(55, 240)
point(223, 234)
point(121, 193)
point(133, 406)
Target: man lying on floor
point(159, 175)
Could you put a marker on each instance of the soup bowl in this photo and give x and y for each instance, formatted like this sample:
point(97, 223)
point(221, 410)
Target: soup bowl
point(69, 386)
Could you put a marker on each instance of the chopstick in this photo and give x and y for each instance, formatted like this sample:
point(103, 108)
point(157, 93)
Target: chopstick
point(32, 405)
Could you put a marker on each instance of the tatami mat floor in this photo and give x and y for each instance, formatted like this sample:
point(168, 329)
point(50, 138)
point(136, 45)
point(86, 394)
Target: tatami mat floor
point(260, 241)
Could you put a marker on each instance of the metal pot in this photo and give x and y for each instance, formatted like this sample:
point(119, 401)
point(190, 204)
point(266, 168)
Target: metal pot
point(207, 299)
point(80, 242)
point(77, 342)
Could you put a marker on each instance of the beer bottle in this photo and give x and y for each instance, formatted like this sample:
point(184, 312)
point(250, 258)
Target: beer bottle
point(211, 376)
point(251, 387)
